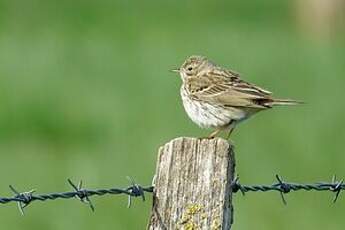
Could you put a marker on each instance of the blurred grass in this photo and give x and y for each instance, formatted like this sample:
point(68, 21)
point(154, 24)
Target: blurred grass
point(85, 93)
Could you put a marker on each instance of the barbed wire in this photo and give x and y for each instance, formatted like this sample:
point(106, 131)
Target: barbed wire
point(23, 199)
point(336, 186)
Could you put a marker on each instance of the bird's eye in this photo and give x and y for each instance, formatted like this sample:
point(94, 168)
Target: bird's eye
point(190, 68)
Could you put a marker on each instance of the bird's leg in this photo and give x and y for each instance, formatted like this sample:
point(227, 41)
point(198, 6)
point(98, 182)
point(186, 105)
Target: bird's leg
point(214, 134)
point(229, 134)
point(231, 129)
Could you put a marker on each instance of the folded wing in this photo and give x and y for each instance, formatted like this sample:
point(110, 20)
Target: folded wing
point(227, 89)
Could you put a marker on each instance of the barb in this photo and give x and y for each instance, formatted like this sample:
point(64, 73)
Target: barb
point(23, 199)
point(82, 194)
point(285, 187)
point(135, 190)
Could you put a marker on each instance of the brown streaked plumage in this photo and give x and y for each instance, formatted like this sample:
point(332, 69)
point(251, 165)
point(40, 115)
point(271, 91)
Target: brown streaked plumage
point(215, 97)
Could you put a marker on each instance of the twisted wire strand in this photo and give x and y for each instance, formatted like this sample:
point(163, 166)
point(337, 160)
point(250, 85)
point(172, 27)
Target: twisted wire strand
point(23, 199)
point(285, 187)
point(67, 195)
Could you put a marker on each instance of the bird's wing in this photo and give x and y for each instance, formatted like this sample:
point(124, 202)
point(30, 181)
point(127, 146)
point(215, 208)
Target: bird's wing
point(229, 90)
point(236, 80)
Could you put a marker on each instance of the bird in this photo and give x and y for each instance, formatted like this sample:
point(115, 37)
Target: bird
point(217, 98)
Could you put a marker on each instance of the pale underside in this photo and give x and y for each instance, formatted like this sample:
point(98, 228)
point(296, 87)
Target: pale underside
point(212, 116)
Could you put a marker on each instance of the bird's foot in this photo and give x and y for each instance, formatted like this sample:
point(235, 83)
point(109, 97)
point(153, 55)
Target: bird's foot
point(213, 134)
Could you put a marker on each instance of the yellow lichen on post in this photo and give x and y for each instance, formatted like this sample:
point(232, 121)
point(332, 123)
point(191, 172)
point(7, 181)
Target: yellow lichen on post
point(188, 217)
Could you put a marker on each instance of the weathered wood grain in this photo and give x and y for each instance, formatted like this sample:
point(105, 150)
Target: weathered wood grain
point(192, 185)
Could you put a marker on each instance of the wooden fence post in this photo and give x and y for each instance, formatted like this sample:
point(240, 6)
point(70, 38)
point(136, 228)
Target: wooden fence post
point(193, 185)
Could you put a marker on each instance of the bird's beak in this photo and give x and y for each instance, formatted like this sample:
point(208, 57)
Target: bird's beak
point(175, 70)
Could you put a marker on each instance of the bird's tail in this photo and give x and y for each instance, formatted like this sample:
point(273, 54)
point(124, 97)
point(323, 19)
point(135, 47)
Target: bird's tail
point(286, 102)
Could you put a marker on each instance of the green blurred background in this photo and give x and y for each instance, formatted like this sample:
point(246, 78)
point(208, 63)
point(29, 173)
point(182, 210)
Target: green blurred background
point(85, 93)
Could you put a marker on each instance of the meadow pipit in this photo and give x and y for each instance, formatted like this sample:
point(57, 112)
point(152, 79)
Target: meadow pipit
point(215, 97)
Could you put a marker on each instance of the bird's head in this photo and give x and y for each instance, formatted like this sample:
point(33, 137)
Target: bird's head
point(192, 66)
